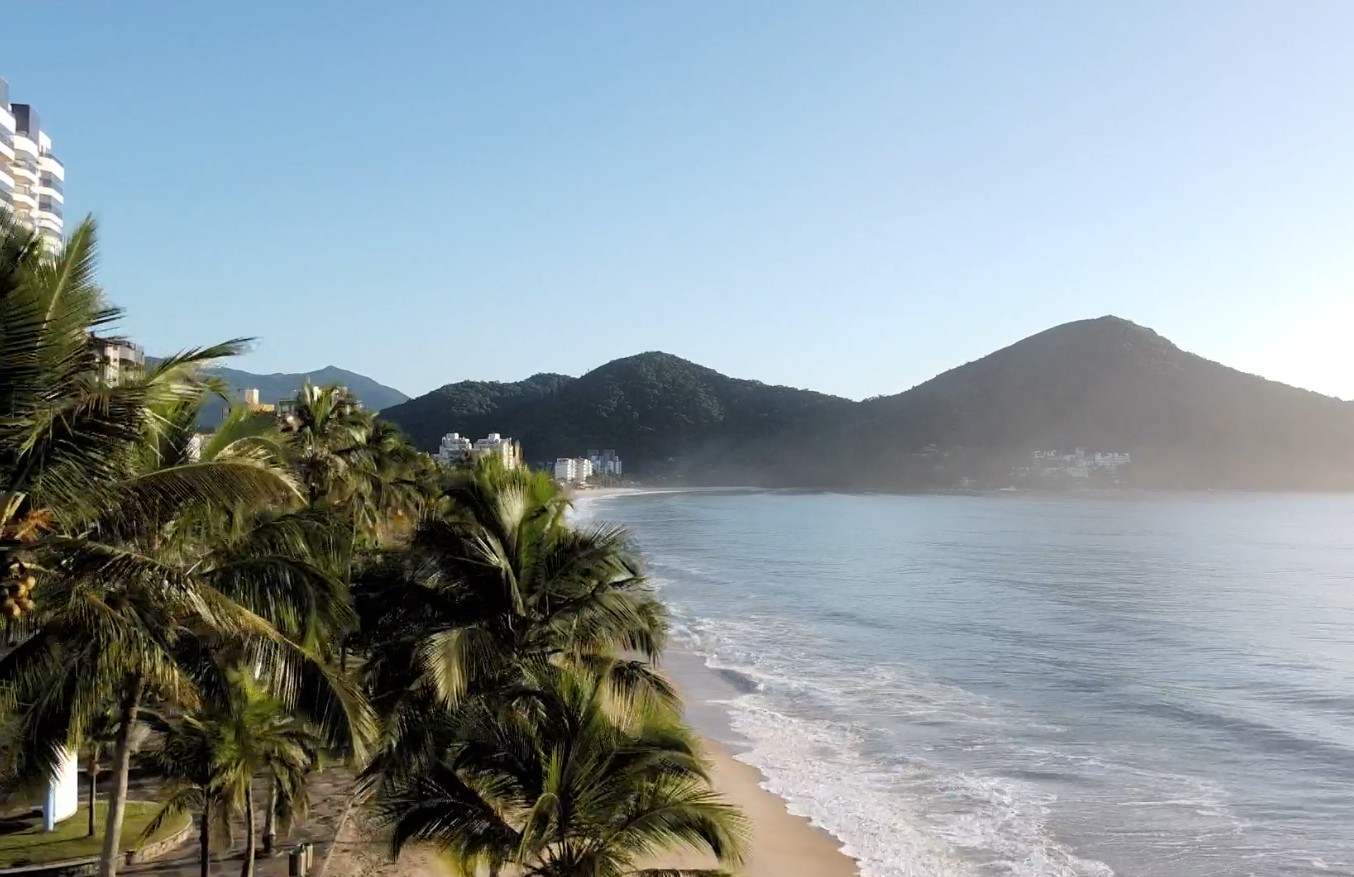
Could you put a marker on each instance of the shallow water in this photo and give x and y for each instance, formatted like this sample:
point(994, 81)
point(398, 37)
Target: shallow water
point(1013, 685)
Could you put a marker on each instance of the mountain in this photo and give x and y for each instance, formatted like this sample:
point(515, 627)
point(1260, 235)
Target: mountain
point(473, 408)
point(1104, 384)
point(655, 406)
point(274, 387)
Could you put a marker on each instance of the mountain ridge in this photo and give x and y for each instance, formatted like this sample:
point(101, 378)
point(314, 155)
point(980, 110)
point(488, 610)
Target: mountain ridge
point(276, 386)
point(1104, 383)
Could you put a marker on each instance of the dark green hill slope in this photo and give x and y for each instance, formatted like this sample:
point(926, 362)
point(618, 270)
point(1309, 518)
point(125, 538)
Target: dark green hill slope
point(1104, 384)
point(1111, 384)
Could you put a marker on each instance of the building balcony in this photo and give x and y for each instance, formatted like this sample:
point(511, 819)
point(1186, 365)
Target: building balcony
point(23, 200)
point(24, 173)
point(25, 146)
point(6, 183)
point(48, 193)
point(6, 151)
point(51, 165)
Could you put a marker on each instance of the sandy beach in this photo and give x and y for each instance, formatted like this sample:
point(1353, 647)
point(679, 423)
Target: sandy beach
point(782, 844)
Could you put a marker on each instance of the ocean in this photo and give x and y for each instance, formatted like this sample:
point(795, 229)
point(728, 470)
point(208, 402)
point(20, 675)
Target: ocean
point(1135, 684)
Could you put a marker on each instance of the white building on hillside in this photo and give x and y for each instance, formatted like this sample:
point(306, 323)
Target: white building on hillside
point(508, 450)
point(455, 448)
point(32, 180)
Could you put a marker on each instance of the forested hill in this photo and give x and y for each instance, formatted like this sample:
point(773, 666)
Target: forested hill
point(1104, 384)
point(662, 410)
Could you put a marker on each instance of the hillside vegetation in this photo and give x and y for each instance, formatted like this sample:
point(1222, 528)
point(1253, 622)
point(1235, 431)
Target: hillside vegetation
point(1104, 384)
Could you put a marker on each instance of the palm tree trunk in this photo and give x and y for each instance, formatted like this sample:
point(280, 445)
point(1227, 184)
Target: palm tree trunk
point(204, 839)
point(270, 820)
point(122, 765)
point(249, 838)
point(93, 771)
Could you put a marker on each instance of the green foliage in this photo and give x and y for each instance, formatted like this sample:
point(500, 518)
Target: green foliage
point(31, 845)
point(210, 586)
point(547, 780)
point(211, 757)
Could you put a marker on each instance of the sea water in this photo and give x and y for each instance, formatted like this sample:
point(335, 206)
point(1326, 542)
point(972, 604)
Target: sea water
point(1103, 684)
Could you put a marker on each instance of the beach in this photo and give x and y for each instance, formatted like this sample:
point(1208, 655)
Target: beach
point(782, 844)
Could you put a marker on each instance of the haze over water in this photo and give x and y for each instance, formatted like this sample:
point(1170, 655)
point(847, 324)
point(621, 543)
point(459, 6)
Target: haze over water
point(1013, 685)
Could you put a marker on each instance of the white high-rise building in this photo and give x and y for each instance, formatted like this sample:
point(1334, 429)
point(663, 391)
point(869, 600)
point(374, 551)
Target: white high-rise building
point(497, 445)
point(573, 470)
point(454, 448)
point(32, 180)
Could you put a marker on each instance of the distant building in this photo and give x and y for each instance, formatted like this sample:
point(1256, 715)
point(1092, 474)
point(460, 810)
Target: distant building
point(251, 401)
point(573, 470)
point(605, 462)
point(32, 180)
point(119, 359)
point(1078, 465)
point(454, 448)
point(506, 449)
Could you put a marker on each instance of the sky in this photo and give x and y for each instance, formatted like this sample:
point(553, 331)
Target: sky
point(849, 197)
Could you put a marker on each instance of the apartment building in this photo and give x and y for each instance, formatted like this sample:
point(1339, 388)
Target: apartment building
point(32, 180)
point(572, 470)
point(508, 450)
point(119, 358)
point(456, 448)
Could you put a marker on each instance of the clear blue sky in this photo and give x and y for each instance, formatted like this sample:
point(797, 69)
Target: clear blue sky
point(851, 197)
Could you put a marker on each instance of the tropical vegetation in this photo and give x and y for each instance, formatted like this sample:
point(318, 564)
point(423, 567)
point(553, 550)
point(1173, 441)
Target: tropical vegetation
point(228, 611)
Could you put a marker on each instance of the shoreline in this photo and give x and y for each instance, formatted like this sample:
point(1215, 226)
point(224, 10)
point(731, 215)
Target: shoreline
point(781, 844)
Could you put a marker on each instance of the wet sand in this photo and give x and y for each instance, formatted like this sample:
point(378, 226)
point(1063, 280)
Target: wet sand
point(782, 844)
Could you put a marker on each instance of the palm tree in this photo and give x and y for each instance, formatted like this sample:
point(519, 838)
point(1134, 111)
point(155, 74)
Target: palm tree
point(502, 585)
point(189, 760)
point(211, 758)
point(100, 738)
point(546, 780)
point(327, 431)
point(392, 485)
point(88, 497)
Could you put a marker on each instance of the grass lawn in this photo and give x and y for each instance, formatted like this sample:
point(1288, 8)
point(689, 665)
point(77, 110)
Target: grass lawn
point(23, 842)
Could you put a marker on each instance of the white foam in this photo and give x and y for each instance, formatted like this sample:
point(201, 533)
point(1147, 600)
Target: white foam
point(887, 818)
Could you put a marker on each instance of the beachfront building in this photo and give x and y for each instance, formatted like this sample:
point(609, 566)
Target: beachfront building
point(454, 448)
point(506, 449)
point(605, 462)
point(573, 470)
point(32, 180)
